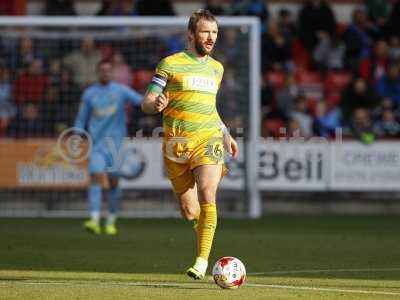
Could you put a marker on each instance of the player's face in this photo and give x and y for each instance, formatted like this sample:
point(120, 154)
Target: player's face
point(105, 73)
point(205, 36)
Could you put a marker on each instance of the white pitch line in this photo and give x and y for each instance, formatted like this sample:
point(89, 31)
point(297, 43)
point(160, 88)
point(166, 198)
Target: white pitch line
point(191, 285)
point(326, 271)
point(317, 289)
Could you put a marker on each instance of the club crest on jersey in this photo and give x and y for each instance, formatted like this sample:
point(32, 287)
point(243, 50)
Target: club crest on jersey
point(199, 83)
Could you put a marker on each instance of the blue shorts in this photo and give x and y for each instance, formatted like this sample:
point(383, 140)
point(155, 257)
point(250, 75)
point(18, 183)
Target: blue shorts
point(130, 165)
point(101, 162)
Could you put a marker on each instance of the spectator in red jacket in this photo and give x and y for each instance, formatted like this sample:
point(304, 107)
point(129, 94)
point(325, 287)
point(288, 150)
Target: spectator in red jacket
point(374, 67)
point(31, 85)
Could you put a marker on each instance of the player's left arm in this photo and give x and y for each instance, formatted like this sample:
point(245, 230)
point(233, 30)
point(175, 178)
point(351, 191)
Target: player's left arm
point(229, 142)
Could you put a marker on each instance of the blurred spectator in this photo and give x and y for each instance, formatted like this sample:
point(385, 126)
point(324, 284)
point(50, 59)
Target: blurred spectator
point(106, 8)
point(361, 126)
point(174, 44)
point(25, 54)
point(52, 112)
point(82, 63)
point(276, 49)
point(230, 109)
point(329, 53)
point(394, 50)
point(327, 120)
point(267, 96)
point(384, 104)
point(294, 129)
point(27, 122)
point(227, 47)
point(69, 96)
point(378, 11)
point(7, 109)
point(359, 94)
point(315, 16)
point(125, 8)
point(229, 90)
point(55, 72)
point(394, 20)
point(121, 71)
point(155, 8)
point(257, 8)
point(359, 38)
point(215, 7)
point(31, 85)
point(301, 115)
point(286, 24)
point(387, 126)
point(60, 8)
point(286, 96)
point(374, 67)
point(389, 85)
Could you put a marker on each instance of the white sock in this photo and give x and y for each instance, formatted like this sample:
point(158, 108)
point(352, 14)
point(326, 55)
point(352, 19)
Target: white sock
point(95, 216)
point(111, 218)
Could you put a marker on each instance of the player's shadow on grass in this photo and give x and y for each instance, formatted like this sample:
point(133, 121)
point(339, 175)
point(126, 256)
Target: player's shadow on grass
point(145, 283)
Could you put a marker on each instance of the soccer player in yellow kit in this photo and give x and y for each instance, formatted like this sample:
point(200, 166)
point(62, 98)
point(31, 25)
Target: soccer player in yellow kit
point(184, 89)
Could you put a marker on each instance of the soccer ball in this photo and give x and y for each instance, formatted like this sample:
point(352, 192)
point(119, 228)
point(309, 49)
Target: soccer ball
point(229, 272)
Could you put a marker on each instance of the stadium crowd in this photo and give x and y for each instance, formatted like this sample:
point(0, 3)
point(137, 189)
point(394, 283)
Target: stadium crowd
point(317, 74)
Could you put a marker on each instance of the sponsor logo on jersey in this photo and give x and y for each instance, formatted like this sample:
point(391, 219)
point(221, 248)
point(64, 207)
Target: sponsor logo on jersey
point(199, 83)
point(101, 112)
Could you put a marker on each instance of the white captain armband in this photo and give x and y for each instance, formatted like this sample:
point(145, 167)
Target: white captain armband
point(159, 81)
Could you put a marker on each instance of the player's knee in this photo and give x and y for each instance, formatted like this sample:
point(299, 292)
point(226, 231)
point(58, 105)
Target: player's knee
point(189, 213)
point(96, 179)
point(206, 194)
point(113, 181)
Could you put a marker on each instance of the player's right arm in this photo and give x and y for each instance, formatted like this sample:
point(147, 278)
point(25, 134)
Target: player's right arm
point(155, 100)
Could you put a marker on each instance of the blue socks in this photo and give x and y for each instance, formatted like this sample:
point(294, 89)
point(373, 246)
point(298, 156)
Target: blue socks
point(95, 197)
point(95, 201)
point(114, 199)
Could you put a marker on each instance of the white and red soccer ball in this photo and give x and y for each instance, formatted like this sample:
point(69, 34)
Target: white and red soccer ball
point(229, 272)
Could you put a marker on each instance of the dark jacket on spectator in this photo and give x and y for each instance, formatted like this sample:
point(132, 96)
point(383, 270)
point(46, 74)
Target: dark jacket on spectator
point(351, 100)
point(314, 19)
point(60, 8)
point(154, 8)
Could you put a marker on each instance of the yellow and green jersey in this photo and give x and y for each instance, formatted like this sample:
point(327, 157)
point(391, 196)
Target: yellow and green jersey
point(192, 86)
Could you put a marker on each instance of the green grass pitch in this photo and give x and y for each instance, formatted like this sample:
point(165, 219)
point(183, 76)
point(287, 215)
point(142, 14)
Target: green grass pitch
point(287, 257)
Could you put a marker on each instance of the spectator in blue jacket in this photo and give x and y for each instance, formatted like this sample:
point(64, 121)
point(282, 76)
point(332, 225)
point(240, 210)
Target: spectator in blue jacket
point(389, 85)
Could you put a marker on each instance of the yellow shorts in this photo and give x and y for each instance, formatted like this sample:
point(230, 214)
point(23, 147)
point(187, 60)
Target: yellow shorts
point(180, 160)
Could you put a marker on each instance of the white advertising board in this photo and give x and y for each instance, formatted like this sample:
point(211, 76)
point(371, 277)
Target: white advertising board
point(359, 167)
point(350, 166)
point(283, 166)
